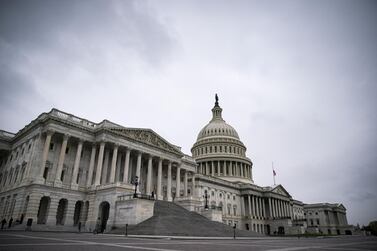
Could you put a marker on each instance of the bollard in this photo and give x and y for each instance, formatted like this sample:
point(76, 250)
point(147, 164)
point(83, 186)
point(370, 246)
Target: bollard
point(234, 231)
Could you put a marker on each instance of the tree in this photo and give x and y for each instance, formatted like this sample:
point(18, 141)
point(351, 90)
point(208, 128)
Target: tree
point(372, 227)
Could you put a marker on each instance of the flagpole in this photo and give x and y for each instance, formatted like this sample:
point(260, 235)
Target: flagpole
point(273, 173)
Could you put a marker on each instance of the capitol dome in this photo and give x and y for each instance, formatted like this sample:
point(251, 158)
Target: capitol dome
point(220, 152)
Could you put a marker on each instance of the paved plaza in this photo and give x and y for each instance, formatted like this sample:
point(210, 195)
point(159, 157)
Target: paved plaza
point(73, 241)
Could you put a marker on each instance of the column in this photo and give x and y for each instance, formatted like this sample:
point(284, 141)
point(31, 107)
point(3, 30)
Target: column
point(242, 205)
point(218, 168)
point(126, 166)
point(118, 167)
point(279, 208)
point(263, 208)
point(46, 148)
point(241, 168)
point(178, 188)
point(138, 169)
point(230, 168)
point(159, 178)
point(113, 163)
point(99, 164)
point(149, 175)
point(105, 166)
point(269, 207)
point(212, 169)
point(193, 192)
point(185, 183)
point(249, 202)
point(253, 202)
point(91, 166)
point(77, 163)
point(61, 158)
point(276, 208)
point(168, 192)
point(273, 207)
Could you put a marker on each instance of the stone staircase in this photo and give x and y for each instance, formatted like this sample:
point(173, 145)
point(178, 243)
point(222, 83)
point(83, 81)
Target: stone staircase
point(173, 220)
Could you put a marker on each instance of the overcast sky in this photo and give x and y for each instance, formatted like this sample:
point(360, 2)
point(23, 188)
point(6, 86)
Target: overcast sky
point(296, 79)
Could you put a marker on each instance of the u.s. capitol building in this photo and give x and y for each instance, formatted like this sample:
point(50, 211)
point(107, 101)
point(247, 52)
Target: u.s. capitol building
point(61, 171)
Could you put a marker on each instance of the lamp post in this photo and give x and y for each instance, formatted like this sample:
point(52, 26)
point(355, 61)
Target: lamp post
point(136, 182)
point(206, 198)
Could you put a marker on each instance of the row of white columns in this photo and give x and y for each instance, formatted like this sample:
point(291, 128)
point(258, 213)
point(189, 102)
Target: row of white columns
point(99, 167)
point(280, 208)
point(256, 206)
point(226, 168)
point(277, 208)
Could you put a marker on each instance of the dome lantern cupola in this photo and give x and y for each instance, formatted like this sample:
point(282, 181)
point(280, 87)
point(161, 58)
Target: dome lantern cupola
point(216, 110)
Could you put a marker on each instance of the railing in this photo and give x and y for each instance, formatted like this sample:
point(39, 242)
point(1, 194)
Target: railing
point(138, 196)
point(6, 134)
point(72, 118)
point(202, 208)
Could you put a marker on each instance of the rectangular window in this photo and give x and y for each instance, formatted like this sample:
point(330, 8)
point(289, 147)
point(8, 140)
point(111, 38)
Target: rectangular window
point(51, 146)
point(62, 176)
point(67, 150)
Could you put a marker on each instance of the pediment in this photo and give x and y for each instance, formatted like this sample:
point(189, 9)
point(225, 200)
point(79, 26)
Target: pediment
point(281, 190)
point(149, 137)
point(341, 206)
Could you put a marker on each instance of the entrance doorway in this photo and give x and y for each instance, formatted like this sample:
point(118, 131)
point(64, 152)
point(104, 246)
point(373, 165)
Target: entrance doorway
point(61, 212)
point(281, 230)
point(44, 205)
point(103, 216)
point(76, 215)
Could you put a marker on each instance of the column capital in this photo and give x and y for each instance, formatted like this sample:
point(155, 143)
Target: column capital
point(50, 132)
point(66, 136)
